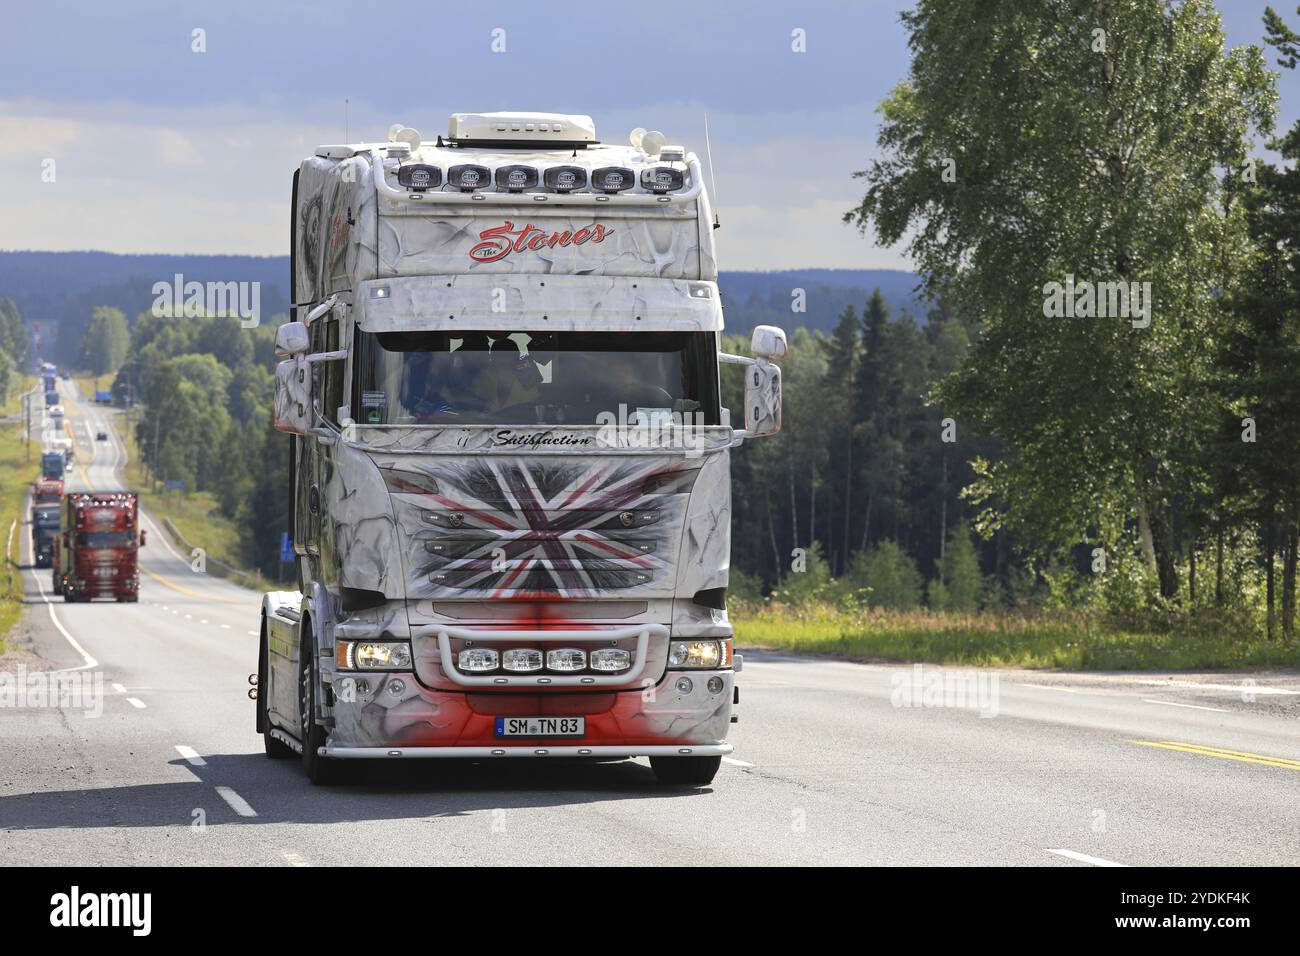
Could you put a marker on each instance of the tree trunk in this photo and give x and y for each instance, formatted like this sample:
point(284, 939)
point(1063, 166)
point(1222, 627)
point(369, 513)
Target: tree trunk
point(1162, 539)
point(1218, 568)
point(794, 506)
point(1144, 536)
point(1191, 571)
point(848, 499)
point(1268, 565)
point(812, 506)
point(1289, 574)
point(771, 531)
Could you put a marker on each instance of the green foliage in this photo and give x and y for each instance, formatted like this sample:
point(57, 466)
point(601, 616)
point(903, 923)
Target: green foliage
point(13, 333)
point(962, 582)
point(814, 582)
point(1073, 160)
point(889, 576)
point(105, 342)
point(207, 387)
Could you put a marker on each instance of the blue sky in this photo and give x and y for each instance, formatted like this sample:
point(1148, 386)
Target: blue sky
point(161, 149)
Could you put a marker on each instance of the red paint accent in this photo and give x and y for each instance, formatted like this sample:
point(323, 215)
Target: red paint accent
point(500, 241)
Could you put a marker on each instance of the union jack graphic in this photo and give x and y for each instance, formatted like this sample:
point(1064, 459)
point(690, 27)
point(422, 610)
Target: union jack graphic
point(518, 529)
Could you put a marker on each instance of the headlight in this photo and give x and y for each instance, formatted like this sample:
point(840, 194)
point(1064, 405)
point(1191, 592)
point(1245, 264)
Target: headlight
point(373, 655)
point(700, 654)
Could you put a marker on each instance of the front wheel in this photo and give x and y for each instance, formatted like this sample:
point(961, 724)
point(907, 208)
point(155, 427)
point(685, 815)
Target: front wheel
point(320, 770)
point(686, 771)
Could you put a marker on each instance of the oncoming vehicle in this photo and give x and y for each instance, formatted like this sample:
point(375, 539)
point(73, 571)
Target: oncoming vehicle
point(96, 552)
point(510, 464)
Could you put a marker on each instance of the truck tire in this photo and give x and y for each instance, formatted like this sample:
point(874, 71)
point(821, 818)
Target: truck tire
point(685, 771)
point(275, 749)
point(321, 771)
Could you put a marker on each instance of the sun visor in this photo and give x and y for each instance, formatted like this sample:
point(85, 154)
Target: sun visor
point(562, 303)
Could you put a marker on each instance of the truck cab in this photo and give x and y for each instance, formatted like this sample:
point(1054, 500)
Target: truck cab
point(96, 550)
point(510, 464)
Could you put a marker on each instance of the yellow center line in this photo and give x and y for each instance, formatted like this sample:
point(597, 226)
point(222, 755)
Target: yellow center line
point(1264, 760)
point(184, 590)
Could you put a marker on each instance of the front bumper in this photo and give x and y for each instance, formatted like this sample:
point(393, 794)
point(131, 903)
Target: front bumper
point(721, 748)
point(392, 714)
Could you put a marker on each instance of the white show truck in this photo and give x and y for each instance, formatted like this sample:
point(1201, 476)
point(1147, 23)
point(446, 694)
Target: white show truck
point(510, 466)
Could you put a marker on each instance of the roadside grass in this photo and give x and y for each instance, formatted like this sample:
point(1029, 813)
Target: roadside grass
point(1073, 640)
point(88, 385)
point(196, 515)
point(16, 475)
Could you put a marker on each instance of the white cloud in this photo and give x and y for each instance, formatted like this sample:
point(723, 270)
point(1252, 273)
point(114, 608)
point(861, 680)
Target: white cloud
point(217, 180)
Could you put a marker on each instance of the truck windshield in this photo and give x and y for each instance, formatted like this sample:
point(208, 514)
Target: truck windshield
point(105, 539)
point(525, 378)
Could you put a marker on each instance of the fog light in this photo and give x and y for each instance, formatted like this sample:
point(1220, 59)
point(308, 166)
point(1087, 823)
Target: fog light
point(685, 685)
point(610, 659)
point(396, 687)
point(478, 659)
point(715, 685)
point(522, 659)
point(566, 659)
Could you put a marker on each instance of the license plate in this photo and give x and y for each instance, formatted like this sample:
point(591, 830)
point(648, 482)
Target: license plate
point(541, 726)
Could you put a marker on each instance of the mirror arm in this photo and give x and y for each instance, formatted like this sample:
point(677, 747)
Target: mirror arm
point(728, 359)
point(337, 355)
point(321, 309)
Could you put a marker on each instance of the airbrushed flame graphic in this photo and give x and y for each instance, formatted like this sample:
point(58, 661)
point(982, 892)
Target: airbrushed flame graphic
point(519, 529)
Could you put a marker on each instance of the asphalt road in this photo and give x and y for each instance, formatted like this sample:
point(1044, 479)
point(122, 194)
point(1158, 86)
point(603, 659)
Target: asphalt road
point(830, 767)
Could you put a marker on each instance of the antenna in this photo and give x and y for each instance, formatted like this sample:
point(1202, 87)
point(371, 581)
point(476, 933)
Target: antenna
point(347, 137)
point(713, 182)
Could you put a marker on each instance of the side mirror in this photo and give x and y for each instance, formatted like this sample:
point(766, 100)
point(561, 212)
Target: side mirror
point(291, 339)
point(768, 342)
point(292, 396)
point(142, 537)
point(763, 396)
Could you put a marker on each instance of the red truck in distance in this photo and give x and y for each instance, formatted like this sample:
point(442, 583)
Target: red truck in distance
point(95, 554)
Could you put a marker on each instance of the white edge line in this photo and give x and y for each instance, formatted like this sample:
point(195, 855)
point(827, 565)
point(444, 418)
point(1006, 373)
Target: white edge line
point(191, 756)
point(1084, 858)
point(237, 803)
point(90, 661)
point(1174, 703)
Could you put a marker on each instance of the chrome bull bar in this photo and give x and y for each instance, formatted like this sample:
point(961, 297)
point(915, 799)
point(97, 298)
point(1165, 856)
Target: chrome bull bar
point(642, 633)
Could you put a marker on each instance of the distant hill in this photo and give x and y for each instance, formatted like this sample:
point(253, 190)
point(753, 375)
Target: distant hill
point(63, 287)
